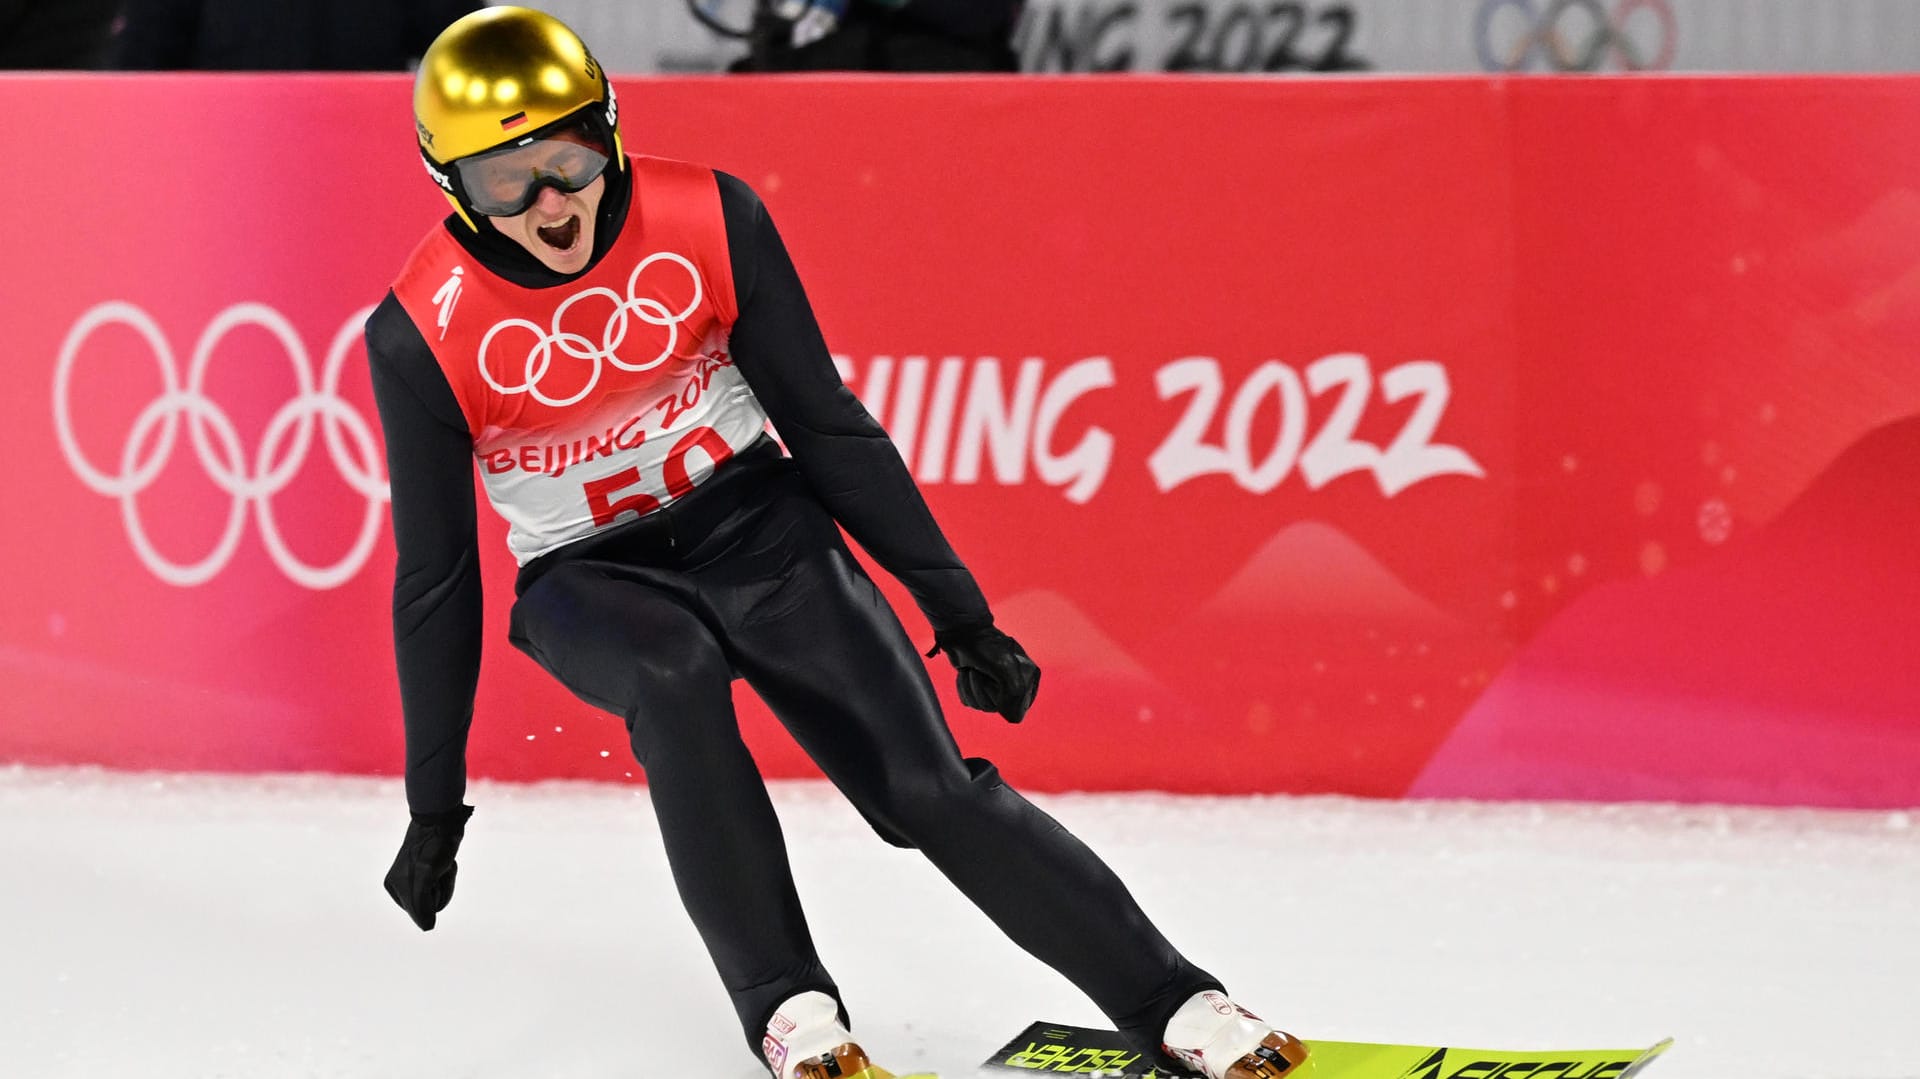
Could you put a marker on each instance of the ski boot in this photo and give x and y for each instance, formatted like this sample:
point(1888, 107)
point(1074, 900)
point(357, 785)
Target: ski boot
point(1221, 1040)
point(805, 1040)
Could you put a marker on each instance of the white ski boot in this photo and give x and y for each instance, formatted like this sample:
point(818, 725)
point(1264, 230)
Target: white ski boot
point(1221, 1040)
point(806, 1041)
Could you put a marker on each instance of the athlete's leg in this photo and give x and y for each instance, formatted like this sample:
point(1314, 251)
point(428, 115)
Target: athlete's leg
point(826, 652)
point(633, 649)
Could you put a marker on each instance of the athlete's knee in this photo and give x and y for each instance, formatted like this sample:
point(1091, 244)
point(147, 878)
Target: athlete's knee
point(678, 702)
point(538, 621)
point(684, 672)
point(918, 811)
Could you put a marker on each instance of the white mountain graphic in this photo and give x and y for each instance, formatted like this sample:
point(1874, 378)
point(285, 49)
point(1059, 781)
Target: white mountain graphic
point(1311, 570)
point(1053, 628)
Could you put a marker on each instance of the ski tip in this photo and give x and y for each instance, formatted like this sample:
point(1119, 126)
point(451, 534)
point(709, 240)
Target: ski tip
point(1646, 1058)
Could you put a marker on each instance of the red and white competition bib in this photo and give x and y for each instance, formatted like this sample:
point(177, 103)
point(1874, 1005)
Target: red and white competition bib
point(605, 398)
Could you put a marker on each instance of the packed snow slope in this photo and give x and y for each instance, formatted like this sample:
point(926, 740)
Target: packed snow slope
point(178, 926)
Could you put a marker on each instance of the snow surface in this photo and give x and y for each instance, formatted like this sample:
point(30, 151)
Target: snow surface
point(187, 926)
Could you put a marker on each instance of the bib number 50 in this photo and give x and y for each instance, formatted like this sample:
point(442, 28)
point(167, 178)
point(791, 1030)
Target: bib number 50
point(607, 503)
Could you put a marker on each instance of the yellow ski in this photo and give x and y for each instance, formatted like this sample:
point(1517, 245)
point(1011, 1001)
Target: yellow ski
point(1363, 1060)
point(1064, 1049)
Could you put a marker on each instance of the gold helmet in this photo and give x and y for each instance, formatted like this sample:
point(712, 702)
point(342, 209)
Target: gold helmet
point(496, 81)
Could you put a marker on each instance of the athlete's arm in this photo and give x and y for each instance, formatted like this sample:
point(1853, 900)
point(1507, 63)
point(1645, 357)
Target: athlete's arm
point(436, 579)
point(844, 453)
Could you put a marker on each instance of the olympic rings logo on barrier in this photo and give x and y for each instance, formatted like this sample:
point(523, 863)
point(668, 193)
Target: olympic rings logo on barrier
point(216, 442)
point(1544, 38)
point(540, 355)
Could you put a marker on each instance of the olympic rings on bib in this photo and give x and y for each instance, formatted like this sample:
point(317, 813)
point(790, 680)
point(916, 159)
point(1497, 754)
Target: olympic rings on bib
point(540, 358)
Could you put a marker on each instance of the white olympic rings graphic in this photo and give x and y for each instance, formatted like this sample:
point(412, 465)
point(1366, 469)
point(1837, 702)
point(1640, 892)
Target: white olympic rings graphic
point(540, 356)
point(1544, 38)
point(216, 442)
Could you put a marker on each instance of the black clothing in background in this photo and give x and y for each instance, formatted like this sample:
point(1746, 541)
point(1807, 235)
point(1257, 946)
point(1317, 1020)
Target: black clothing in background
point(49, 34)
point(984, 21)
point(279, 35)
point(922, 35)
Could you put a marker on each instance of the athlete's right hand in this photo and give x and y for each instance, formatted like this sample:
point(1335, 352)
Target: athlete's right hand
point(421, 879)
point(994, 674)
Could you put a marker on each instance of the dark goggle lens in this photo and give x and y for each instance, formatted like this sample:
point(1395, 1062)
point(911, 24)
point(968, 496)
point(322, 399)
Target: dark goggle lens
point(505, 182)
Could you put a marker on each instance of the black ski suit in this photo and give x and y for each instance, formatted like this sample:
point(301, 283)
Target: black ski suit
point(748, 577)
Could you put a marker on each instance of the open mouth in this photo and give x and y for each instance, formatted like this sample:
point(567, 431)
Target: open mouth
point(561, 236)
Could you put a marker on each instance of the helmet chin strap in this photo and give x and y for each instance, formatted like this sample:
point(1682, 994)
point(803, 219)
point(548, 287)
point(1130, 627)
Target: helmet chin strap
point(461, 210)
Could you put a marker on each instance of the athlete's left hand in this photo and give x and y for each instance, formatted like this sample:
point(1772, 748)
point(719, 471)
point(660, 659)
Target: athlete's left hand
point(994, 672)
point(422, 877)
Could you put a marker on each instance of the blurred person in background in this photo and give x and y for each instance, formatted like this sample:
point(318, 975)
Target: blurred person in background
point(279, 35)
point(47, 34)
point(877, 35)
point(608, 337)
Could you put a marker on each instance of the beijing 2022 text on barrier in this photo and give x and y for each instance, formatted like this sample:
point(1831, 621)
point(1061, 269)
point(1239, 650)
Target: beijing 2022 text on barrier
point(1451, 437)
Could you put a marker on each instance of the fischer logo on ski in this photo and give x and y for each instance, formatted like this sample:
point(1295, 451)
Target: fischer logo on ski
point(1064, 1049)
point(1428, 1068)
point(1436, 1066)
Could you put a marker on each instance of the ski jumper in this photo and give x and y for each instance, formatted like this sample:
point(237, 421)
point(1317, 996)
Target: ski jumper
point(667, 546)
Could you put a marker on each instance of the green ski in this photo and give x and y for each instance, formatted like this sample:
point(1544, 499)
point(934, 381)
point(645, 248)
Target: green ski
point(1064, 1049)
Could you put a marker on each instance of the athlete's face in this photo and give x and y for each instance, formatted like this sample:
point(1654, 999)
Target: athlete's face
point(558, 227)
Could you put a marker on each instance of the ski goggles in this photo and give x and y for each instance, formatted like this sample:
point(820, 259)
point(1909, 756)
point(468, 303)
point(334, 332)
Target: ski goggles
point(504, 182)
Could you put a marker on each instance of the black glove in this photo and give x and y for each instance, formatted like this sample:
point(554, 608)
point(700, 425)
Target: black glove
point(995, 674)
point(421, 879)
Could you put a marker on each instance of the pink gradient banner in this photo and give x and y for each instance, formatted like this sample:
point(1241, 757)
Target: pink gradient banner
point(1490, 438)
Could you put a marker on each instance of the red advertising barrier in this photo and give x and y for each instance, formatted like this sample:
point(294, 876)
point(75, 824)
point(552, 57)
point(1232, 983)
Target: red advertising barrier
point(1440, 437)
